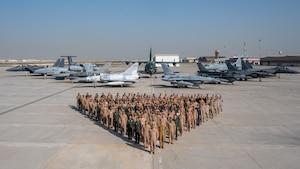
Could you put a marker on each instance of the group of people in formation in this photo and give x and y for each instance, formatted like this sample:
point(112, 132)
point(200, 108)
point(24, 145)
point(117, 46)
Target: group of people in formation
point(150, 117)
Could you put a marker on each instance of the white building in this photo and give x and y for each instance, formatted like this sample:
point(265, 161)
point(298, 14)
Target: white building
point(168, 58)
point(253, 60)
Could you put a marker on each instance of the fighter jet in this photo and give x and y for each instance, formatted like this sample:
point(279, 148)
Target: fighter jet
point(222, 66)
point(72, 66)
point(283, 69)
point(81, 70)
point(222, 76)
point(57, 68)
point(273, 70)
point(248, 73)
point(239, 73)
point(247, 66)
point(88, 70)
point(80, 67)
point(216, 66)
point(28, 68)
point(258, 72)
point(185, 80)
point(125, 78)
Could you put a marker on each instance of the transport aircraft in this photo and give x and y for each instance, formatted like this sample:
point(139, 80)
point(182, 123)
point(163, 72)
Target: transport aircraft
point(185, 80)
point(150, 65)
point(88, 70)
point(81, 70)
point(128, 77)
point(79, 67)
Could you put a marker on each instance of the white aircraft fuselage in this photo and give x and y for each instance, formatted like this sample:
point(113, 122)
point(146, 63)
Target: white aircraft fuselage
point(119, 77)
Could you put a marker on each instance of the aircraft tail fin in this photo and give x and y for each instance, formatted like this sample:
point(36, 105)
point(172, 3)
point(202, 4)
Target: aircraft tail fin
point(62, 63)
point(150, 57)
point(167, 70)
point(244, 66)
point(132, 69)
point(70, 61)
point(105, 67)
point(238, 62)
point(230, 66)
point(59, 63)
point(201, 67)
point(56, 63)
point(248, 64)
point(88, 67)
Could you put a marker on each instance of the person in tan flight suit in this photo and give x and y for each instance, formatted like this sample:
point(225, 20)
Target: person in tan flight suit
point(172, 127)
point(123, 122)
point(145, 132)
point(153, 133)
point(211, 109)
point(189, 118)
point(181, 121)
point(202, 108)
point(78, 98)
point(162, 130)
point(111, 117)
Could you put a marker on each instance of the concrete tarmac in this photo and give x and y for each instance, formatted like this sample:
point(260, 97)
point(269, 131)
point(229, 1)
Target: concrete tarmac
point(39, 127)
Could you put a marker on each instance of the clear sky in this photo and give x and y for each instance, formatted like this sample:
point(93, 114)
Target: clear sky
point(126, 29)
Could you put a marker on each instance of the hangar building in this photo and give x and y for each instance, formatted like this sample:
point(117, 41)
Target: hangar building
point(168, 58)
point(293, 60)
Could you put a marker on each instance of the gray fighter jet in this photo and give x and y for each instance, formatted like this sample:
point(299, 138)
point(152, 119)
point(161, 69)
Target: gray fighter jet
point(222, 76)
point(57, 68)
point(221, 66)
point(274, 70)
point(185, 80)
point(128, 77)
point(283, 69)
point(28, 68)
point(81, 70)
point(236, 72)
point(257, 72)
point(248, 73)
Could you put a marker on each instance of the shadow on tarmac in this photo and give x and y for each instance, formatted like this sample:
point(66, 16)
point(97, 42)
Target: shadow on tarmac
point(129, 142)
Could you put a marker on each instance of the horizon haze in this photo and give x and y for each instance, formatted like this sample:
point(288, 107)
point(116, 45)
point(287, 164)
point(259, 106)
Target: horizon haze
point(126, 30)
